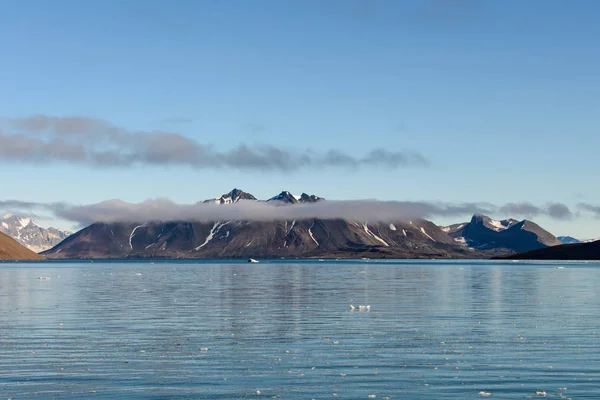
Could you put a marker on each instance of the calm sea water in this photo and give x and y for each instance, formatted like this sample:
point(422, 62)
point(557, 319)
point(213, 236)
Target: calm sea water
point(436, 330)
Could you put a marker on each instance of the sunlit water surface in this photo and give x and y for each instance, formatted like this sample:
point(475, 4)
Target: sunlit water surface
point(232, 330)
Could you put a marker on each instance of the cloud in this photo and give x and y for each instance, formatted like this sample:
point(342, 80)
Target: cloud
point(358, 210)
point(93, 142)
point(166, 210)
point(591, 208)
point(553, 210)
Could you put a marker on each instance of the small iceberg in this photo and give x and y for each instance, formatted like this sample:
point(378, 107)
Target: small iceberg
point(252, 260)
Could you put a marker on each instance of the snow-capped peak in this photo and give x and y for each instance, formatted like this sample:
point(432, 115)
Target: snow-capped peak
point(285, 197)
point(24, 221)
point(31, 235)
point(232, 197)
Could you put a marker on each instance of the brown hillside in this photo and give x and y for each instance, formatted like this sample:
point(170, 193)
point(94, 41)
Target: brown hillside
point(11, 250)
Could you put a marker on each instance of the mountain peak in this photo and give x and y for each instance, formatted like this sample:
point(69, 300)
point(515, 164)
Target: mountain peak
point(285, 197)
point(7, 216)
point(232, 197)
point(305, 198)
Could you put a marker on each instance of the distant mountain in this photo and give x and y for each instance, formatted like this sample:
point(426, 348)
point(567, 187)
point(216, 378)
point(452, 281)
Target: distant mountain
point(288, 198)
point(568, 240)
point(576, 251)
point(220, 239)
point(232, 197)
point(285, 198)
point(10, 249)
point(498, 237)
point(29, 234)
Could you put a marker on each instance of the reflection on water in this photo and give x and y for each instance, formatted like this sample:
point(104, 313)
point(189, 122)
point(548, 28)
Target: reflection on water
point(225, 331)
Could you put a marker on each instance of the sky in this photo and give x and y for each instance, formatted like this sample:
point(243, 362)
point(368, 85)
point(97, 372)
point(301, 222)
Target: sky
point(434, 101)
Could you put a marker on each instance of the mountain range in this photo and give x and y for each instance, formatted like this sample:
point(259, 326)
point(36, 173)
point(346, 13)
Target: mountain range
point(481, 237)
point(27, 232)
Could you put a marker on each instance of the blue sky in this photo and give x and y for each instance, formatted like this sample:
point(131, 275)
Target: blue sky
point(502, 97)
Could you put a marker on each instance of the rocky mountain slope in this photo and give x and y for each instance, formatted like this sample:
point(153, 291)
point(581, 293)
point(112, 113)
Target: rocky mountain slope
point(10, 249)
point(576, 251)
point(305, 238)
point(497, 237)
point(25, 231)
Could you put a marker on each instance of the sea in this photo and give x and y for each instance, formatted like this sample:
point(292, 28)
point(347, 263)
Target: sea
point(295, 329)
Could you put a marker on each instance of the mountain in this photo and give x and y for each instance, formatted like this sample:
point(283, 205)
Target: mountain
point(10, 249)
point(288, 198)
point(285, 198)
point(305, 198)
point(29, 234)
point(497, 237)
point(221, 239)
point(232, 197)
point(568, 240)
point(576, 251)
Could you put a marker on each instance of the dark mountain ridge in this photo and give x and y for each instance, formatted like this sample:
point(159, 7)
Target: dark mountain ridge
point(575, 251)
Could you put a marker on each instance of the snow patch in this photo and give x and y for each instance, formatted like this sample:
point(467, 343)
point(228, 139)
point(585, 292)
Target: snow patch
point(5, 225)
point(218, 225)
point(24, 221)
point(368, 231)
point(461, 240)
point(392, 227)
point(291, 227)
point(497, 225)
point(446, 229)
point(426, 234)
point(7, 216)
point(133, 234)
point(404, 232)
point(288, 232)
point(311, 234)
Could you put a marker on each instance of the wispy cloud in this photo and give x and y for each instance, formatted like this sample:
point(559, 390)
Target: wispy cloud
point(591, 208)
point(97, 143)
point(553, 210)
